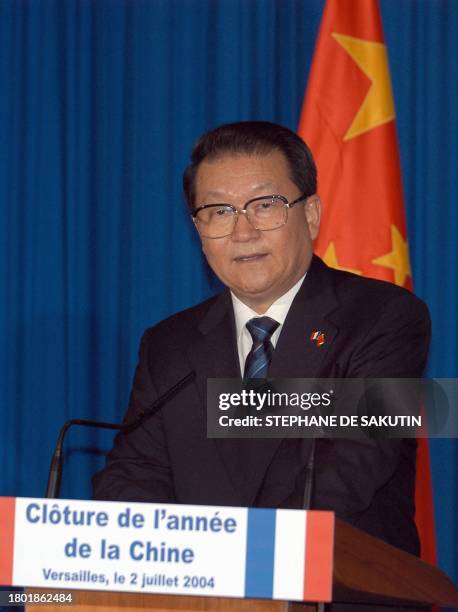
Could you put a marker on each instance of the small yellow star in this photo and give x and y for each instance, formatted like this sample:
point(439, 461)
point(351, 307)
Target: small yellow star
point(378, 106)
point(330, 258)
point(397, 259)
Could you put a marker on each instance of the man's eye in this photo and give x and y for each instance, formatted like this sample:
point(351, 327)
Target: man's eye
point(264, 205)
point(222, 212)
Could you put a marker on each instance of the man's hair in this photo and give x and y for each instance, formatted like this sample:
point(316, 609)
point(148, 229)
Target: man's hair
point(252, 138)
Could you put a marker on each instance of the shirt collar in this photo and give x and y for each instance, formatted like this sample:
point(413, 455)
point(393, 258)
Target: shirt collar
point(277, 311)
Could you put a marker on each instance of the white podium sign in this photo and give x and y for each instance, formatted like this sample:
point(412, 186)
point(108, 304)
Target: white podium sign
point(165, 548)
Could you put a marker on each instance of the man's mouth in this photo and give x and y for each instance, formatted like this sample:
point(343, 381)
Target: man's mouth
point(248, 258)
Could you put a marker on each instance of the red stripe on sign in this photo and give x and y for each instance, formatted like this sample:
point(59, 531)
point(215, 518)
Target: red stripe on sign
point(7, 513)
point(319, 556)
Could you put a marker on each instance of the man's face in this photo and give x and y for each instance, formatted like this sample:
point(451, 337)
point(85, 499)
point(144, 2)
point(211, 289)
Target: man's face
point(258, 266)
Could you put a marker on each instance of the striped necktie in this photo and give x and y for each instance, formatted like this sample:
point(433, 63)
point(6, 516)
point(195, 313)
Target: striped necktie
point(260, 356)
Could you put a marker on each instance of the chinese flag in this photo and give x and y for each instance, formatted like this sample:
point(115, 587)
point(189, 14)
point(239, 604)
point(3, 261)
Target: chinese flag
point(348, 122)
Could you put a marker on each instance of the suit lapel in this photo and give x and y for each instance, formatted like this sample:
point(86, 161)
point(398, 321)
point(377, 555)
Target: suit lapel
point(296, 355)
point(215, 354)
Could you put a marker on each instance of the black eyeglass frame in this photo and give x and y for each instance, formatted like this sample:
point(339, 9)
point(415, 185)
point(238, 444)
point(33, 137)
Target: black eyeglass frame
point(238, 211)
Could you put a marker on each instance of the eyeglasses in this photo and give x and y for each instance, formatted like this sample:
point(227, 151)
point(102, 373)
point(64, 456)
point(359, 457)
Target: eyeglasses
point(265, 213)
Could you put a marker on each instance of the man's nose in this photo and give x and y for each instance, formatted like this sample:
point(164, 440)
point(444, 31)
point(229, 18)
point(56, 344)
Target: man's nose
point(244, 229)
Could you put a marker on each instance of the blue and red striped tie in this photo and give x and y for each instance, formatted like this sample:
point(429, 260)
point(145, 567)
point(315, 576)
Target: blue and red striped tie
point(260, 355)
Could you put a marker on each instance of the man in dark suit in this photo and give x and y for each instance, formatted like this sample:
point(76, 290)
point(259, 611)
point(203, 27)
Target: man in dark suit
point(251, 189)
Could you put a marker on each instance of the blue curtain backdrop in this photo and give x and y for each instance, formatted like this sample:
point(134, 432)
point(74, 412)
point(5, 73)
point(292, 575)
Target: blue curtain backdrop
point(100, 103)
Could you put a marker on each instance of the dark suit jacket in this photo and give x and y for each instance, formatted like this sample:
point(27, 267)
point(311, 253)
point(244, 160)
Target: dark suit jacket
point(372, 329)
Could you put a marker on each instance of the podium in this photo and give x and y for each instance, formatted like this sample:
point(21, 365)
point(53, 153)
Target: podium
point(366, 571)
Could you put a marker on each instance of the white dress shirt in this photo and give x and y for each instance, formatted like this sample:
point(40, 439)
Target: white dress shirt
point(243, 313)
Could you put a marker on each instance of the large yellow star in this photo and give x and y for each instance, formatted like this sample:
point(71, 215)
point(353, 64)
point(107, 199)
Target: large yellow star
point(397, 259)
point(378, 106)
point(330, 258)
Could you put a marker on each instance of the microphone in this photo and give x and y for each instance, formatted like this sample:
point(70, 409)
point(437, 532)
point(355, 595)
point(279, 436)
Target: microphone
point(309, 473)
point(56, 467)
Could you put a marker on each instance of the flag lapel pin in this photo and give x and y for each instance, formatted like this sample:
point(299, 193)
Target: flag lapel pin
point(318, 337)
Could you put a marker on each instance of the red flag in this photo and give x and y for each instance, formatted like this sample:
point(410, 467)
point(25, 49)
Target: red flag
point(348, 122)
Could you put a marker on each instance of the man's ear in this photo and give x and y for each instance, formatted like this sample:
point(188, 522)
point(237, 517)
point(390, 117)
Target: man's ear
point(312, 210)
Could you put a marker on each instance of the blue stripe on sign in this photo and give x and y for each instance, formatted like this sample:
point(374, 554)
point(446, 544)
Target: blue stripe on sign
point(259, 568)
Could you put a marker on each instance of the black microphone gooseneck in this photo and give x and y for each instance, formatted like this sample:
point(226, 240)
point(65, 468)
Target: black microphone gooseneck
point(309, 474)
point(55, 470)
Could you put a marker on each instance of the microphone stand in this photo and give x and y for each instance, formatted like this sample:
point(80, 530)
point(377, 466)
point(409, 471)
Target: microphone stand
point(57, 461)
point(309, 474)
